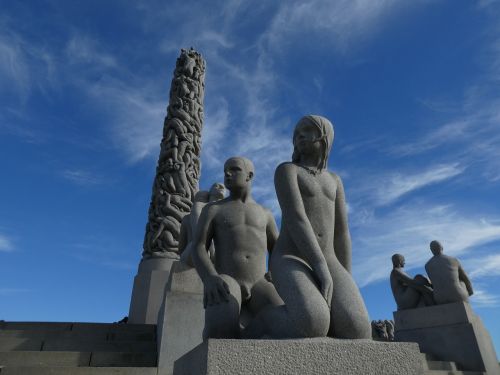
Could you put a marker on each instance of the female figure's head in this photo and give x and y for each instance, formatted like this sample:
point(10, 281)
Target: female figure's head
point(313, 134)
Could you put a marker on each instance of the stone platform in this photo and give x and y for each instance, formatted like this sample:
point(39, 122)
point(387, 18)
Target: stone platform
point(450, 332)
point(304, 357)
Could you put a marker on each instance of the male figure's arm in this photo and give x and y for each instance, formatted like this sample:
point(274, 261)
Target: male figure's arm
point(214, 287)
point(462, 276)
point(271, 231)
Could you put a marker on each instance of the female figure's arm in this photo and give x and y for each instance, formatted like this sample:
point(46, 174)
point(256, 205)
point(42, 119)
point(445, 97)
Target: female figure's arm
point(342, 238)
point(299, 227)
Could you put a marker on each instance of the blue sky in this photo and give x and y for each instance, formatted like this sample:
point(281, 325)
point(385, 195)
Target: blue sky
point(411, 87)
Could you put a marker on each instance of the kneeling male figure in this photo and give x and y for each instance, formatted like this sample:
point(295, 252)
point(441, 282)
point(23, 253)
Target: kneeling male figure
point(241, 230)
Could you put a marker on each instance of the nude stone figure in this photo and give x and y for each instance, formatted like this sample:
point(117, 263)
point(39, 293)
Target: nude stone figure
point(235, 288)
point(409, 292)
point(448, 278)
point(190, 221)
point(311, 262)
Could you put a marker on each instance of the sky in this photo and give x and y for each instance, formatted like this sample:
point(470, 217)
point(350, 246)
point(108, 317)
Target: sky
point(412, 89)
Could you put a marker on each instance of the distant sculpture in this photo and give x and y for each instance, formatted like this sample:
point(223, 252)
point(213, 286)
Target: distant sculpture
point(189, 222)
point(409, 292)
point(448, 278)
point(178, 169)
point(235, 287)
point(311, 262)
point(383, 330)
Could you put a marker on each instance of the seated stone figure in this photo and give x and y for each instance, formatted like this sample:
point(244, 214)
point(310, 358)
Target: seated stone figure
point(190, 221)
point(409, 292)
point(448, 278)
point(241, 230)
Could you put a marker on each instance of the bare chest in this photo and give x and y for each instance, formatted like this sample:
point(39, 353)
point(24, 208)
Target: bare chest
point(239, 214)
point(320, 187)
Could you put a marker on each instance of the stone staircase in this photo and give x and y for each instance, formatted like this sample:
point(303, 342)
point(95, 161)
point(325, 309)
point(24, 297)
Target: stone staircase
point(435, 367)
point(36, 348)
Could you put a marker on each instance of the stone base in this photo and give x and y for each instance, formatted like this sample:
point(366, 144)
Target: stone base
point(450, 332)
point(305, 356)
point(149, 289)
point(182, 317)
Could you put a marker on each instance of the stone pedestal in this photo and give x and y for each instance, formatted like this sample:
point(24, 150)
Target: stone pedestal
point(450, 332)
point(182, 317)
point(304, 357)
point(149, 289)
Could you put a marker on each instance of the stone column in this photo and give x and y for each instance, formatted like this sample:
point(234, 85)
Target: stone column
point(175, 184)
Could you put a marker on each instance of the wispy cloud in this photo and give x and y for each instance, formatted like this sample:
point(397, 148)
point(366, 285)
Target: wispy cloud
point(12, 291)
point(484, 266)
point(394, 186)
point(5, 243)
point(482, 298)
point(81, 177)
point(82, 49)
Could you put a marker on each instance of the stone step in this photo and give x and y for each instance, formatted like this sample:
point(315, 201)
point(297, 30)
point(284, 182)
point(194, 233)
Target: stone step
point(86, 327)
point(440, 365)
point(441, 372)
point(99, 346)
point(74, 345)
point(74, 359)
point(79, 335)
point(44, 359)
point(30, 370)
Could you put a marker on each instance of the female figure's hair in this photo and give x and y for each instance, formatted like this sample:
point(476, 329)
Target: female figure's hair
point(325, 128)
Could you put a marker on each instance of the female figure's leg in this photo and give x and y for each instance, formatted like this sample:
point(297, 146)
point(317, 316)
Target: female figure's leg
point(349, 317)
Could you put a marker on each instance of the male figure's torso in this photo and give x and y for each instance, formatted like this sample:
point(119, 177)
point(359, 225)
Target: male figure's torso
point(240, 240)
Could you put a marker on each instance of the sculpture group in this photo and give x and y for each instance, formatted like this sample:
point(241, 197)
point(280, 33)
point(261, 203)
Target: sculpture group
point(309, 290)
point(447, 281)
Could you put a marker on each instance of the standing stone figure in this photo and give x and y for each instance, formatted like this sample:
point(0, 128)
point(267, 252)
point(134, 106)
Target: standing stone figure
point(408, 292)
point(448, 278)
point(311, 262)
point(241, 230)
point(178, 170)
point(189, 223)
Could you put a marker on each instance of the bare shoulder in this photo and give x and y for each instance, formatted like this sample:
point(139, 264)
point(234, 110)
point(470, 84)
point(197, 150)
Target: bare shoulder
point(336, 177)
point(286, 168)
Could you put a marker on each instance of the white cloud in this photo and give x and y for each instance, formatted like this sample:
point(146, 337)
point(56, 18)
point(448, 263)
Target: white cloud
point(408, 230)
point(81, 177)
point(482, 298)
point(392, 187)
point(5, 243)
point(485, 266)
point(82, 49)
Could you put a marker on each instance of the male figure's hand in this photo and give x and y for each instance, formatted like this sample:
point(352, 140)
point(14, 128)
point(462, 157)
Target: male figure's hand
point(216, 291)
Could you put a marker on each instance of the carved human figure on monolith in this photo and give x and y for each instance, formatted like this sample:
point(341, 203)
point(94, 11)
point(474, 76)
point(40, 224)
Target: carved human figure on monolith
point(311, 262)
point(190, 221)
point(409, 292)
point(448, 278)
point(241, 230)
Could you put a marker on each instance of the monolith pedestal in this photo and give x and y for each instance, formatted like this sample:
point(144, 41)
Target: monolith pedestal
point(301, 357)
point(149, 289)
point(450, 332)
point(182, 317)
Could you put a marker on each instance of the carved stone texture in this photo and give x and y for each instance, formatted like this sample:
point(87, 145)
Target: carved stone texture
point(383, 330)
point(448, 278)
point(178, 170)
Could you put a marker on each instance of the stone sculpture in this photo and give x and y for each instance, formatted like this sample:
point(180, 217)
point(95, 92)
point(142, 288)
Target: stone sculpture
point(383, 330)
point(409, 292)
point(189, 222)
point(311, 262)
point(241, 230)
point(178, 170)
point(449, 280)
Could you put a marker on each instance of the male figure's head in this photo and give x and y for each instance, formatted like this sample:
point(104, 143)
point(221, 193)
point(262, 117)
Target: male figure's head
point(217, 191)
point(398, 261)
point(238, 172)
point(436, 247)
